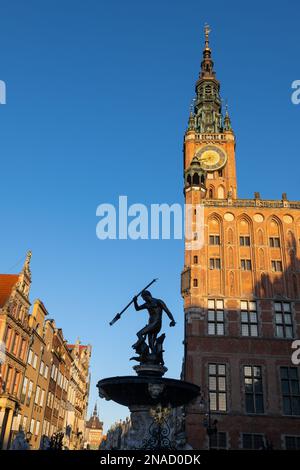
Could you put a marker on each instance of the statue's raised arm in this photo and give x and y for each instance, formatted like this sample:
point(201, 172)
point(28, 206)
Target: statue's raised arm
point(137, 306)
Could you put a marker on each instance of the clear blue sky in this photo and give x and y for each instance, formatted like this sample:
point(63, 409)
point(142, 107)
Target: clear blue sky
point(98, 97)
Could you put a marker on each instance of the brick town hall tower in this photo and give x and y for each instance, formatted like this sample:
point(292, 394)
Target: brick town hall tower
point(241, 293)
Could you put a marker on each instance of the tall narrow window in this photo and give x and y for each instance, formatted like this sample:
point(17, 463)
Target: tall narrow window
point(249, 321)
point(218, 440)
point(292, 442)
point(195, 282)
point(23, 349)
point(290, 390)
point(16, 384)
point(31, 426)
point(9, 379)
point(195, 259)
point(42, 397)
point(42, 368)
point(196, 179)
point(24, 390)
point(16, 345)
point(283, 320)
point(34, 362)
point(30, 388)
point(215, 263)
point(214, 239)
point(276, 265)
point(217, 387)
point(24, 425)
point(215, 317)
point(245, 241)
point(246, 264)
point(274, 242)
point(253, 441)
point(254, 399)
point(30, 356)
point(37, 395)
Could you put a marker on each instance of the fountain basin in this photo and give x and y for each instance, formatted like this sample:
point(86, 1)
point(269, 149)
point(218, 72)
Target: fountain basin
point(147, 391)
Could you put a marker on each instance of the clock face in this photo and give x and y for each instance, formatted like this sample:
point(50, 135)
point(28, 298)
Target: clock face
point(211, 157)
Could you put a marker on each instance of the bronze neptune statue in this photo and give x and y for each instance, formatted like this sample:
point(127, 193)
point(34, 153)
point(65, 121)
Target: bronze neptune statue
point(151, 352)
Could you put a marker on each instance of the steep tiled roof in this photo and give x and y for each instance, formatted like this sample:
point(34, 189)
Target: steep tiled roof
point(94, 423)
point(7, 282)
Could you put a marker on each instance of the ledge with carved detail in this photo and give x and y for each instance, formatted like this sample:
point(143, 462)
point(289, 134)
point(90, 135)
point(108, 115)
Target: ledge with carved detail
point(220, 138)
point(273, 204)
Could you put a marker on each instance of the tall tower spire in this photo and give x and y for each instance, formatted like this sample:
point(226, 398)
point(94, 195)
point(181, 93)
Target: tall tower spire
point(208, 107)
point(207, 63)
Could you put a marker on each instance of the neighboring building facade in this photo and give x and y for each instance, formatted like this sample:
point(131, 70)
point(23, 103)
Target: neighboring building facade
point(241, 291)
point(59, 383)
point(35, 383)
point(94, 431)
point(36, 370)
point(14, 338)
point(78, 393)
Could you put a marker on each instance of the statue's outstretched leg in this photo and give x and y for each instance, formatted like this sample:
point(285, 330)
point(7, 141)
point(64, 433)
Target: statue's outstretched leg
point(141, 337)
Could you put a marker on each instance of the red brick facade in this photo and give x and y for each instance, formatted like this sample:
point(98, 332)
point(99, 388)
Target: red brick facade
point(241, 293)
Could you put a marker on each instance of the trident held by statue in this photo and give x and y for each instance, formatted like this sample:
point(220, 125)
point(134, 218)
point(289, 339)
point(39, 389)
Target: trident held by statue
point(118, 316)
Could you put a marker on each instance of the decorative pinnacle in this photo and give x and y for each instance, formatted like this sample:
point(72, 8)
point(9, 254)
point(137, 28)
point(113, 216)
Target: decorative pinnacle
point(26, 266)
point(192, 106)
point(227, 122)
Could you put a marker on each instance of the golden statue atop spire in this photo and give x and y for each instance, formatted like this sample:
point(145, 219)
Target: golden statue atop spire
point(207, 30)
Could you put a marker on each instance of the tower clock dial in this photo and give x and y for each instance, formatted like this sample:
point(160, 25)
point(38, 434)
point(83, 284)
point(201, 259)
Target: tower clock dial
point(211, 157)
